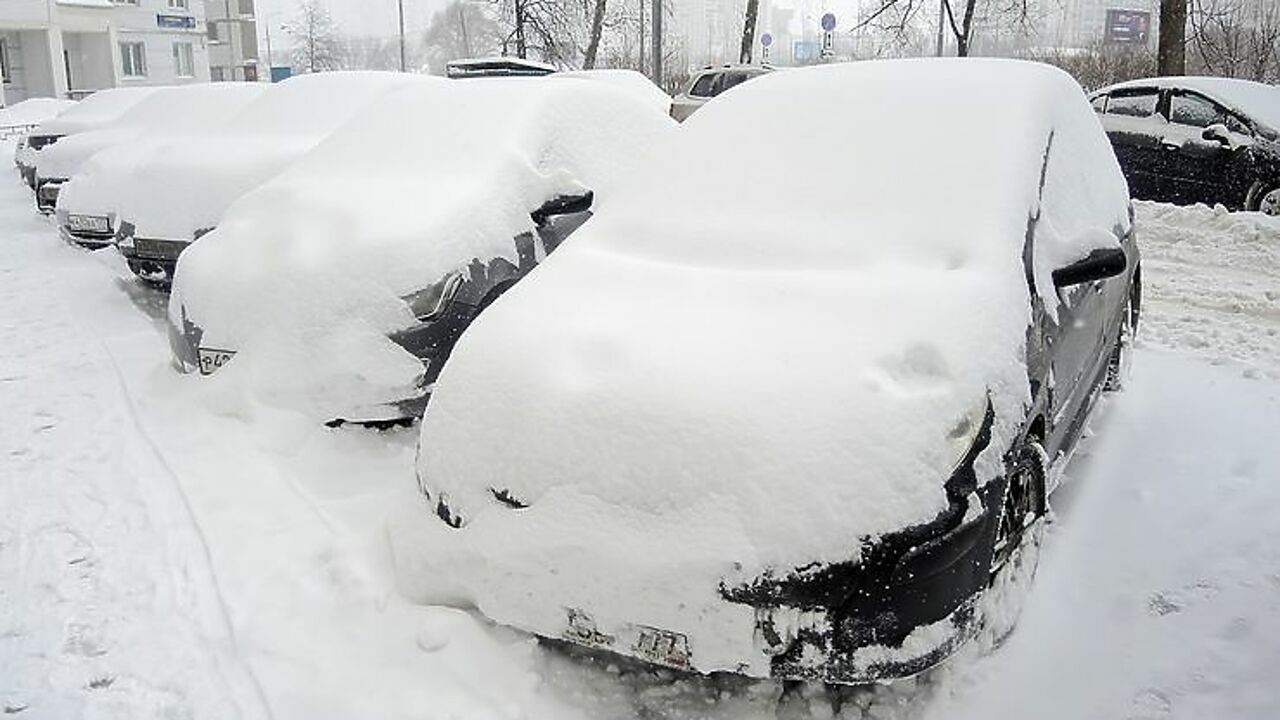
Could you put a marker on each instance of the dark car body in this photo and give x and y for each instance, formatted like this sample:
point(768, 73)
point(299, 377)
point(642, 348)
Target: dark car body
point(35, 143)
point(462, 296)
point(1184, 141)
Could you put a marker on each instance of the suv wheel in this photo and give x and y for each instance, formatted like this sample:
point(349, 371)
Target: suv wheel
point(1016, 553)
point(1264, 198)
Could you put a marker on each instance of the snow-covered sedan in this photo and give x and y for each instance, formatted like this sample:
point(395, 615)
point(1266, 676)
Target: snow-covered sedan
point(773, 415)
point(176, 187)
point(95, 111)
point(340, 287)
point(188, 108)
point(1192, 140)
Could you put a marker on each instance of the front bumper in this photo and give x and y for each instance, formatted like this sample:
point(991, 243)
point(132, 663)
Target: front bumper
point(90, 240)
point(47, 190)
point(154, 260)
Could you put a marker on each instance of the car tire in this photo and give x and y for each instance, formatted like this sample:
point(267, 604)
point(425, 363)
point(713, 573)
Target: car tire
point(1016, 551)
point(1264, 197)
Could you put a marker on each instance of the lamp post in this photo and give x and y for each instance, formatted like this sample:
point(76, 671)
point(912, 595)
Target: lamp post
point(400, 3)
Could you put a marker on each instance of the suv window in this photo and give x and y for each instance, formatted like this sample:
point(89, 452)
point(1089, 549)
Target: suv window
point(1134, 104)
point(732, 79)
point(706, 86)
point(1099, 104)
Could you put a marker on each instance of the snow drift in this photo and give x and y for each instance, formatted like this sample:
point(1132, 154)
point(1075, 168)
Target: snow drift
point(95, 111)
point(304, 276)
point(32, 112)
point(749, 362)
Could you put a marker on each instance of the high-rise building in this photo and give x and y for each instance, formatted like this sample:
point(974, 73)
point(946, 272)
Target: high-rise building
point(233, 40)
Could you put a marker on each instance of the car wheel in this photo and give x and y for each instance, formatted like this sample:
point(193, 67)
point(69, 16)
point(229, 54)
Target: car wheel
point(1121, 357)
point(1016, 552)
point(1264, 198)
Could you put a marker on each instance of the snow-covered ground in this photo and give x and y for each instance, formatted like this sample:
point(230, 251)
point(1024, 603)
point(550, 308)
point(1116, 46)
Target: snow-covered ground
point(167, 552)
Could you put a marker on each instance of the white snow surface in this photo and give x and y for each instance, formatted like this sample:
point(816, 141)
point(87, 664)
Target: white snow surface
point(187, 108)
point(176, 184)
point(32, 111)
point(166, 555)
point(641, 87)
point(1254, 99)
point(706, 385)
point(98, 110)
point(304, 275)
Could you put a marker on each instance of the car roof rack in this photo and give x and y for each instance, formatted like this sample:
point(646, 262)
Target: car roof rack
point(496, 67)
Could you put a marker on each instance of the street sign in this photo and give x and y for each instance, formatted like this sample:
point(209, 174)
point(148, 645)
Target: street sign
point(766, 39)
point(828, 22)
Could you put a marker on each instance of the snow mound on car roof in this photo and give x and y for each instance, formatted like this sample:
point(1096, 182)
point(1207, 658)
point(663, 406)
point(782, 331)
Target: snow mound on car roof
point(416, 186)
point(176, 184)
point(32, 111)
point(750, 360)
point(97, 110)
point(193, 108)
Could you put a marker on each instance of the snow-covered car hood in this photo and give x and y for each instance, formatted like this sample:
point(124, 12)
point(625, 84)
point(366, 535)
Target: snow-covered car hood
point(99, 109)
point(32, 111)
point(752, 362)
point(304, 276)
point(64, 158)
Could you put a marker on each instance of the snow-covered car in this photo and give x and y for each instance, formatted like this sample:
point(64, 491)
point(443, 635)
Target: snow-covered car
point(188, 108)
point(175, 189)
point(1189, 140)
point(340, 287)
point(95, 111)
point(710, 82)
point(23, 117)
point(797, 428)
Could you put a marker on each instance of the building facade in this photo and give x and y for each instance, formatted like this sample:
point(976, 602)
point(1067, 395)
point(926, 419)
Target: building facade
point(232, 33)
point(69, 48)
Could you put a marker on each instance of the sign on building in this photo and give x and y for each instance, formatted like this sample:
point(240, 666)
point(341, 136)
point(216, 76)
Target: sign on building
point(176, 22)
point(1127, 27)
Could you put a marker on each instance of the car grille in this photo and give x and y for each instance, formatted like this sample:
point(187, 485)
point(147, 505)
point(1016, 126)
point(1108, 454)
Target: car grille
point(36, 142)
point(158, 249)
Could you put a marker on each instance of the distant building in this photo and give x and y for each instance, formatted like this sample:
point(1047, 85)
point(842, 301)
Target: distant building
point(232, 27)
point(69, 48)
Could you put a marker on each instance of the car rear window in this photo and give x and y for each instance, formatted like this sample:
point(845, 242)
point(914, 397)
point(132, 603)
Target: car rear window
point(706, 86)
point(1141, 104)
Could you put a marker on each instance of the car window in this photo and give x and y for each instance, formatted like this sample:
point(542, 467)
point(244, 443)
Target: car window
point(1236, 125)
point(1194, 111)
point(705, 86)
point(1099, 104)
point(1139, 104)
point(732, 79)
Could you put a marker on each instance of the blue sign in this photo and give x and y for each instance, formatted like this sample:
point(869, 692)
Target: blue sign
point(766, 39)
point(280, 72)
point(828, 22)
point(176, 22)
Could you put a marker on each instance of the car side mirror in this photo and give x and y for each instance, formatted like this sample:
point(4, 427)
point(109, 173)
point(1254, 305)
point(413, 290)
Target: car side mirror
point(1097, 265)
point(563, 205)
point(1218, 133)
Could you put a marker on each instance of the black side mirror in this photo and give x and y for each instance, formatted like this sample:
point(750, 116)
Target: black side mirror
point(1098, 265)
point(1218, 133)
point(563, 205)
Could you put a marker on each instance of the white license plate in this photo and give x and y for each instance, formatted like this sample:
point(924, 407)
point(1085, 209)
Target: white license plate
point(211, 360)
point(88, 224)
point(663, 647)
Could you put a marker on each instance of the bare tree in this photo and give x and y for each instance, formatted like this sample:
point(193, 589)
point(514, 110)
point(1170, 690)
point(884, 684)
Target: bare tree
point(461, 30)
point(1235, 38)
point(960, 18)
point(597, 30)
point(1171, 52)
point(546, 29)
point(315, 40)
point(749, 31)
point(1100, 64)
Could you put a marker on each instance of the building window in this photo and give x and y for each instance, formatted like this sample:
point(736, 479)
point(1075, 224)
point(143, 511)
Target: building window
point(183, 63)
point(211, 28)
point(178, 5)
point(133, 59)
point(125, 2)
point(4, 61)
point(246, 7)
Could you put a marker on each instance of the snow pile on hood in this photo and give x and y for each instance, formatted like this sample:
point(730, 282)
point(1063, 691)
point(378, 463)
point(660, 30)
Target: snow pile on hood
point(95, 111)
point(32, 112)
point(172, 185)
point(1253, 99)
point(753, 360)
point(304, 275)
point(189, 108)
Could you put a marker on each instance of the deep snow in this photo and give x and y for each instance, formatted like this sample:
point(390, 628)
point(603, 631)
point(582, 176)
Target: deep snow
point(163, 555)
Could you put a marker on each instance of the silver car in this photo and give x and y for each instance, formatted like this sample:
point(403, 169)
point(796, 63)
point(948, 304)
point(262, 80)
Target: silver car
point(710, 82)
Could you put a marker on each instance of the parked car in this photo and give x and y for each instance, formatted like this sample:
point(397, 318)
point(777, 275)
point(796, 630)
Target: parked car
point(22, 117)
point(95, 111)
point(794, 428)
point(1191, 140)
point(189, 108)
point(340, 287)
point(709, 83)
point(176, 189)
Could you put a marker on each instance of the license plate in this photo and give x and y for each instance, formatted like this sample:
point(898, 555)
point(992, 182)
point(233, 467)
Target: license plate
point(88, 223)
point(663, 647)
point(211, 360)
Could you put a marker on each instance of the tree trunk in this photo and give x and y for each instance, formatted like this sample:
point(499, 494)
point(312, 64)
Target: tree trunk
point(1171, 55)
point(521, 49)
point(749, 31)
point(966, 30)
point(593, 45)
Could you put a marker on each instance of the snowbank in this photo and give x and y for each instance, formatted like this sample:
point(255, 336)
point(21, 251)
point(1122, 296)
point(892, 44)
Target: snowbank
point(177, 184)
point(630, 81)
point(97, 110)
point(1256, 100)
point(751, 361)
point(32, 112)
point(190, 108)
point(304, 275)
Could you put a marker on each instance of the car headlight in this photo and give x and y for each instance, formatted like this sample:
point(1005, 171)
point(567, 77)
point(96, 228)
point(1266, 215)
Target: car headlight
point(962, 435)
point(89, 223)
point(431, 300)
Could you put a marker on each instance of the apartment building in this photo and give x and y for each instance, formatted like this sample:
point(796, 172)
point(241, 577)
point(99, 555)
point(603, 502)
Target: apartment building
point(233, 40)
point(69, 48)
